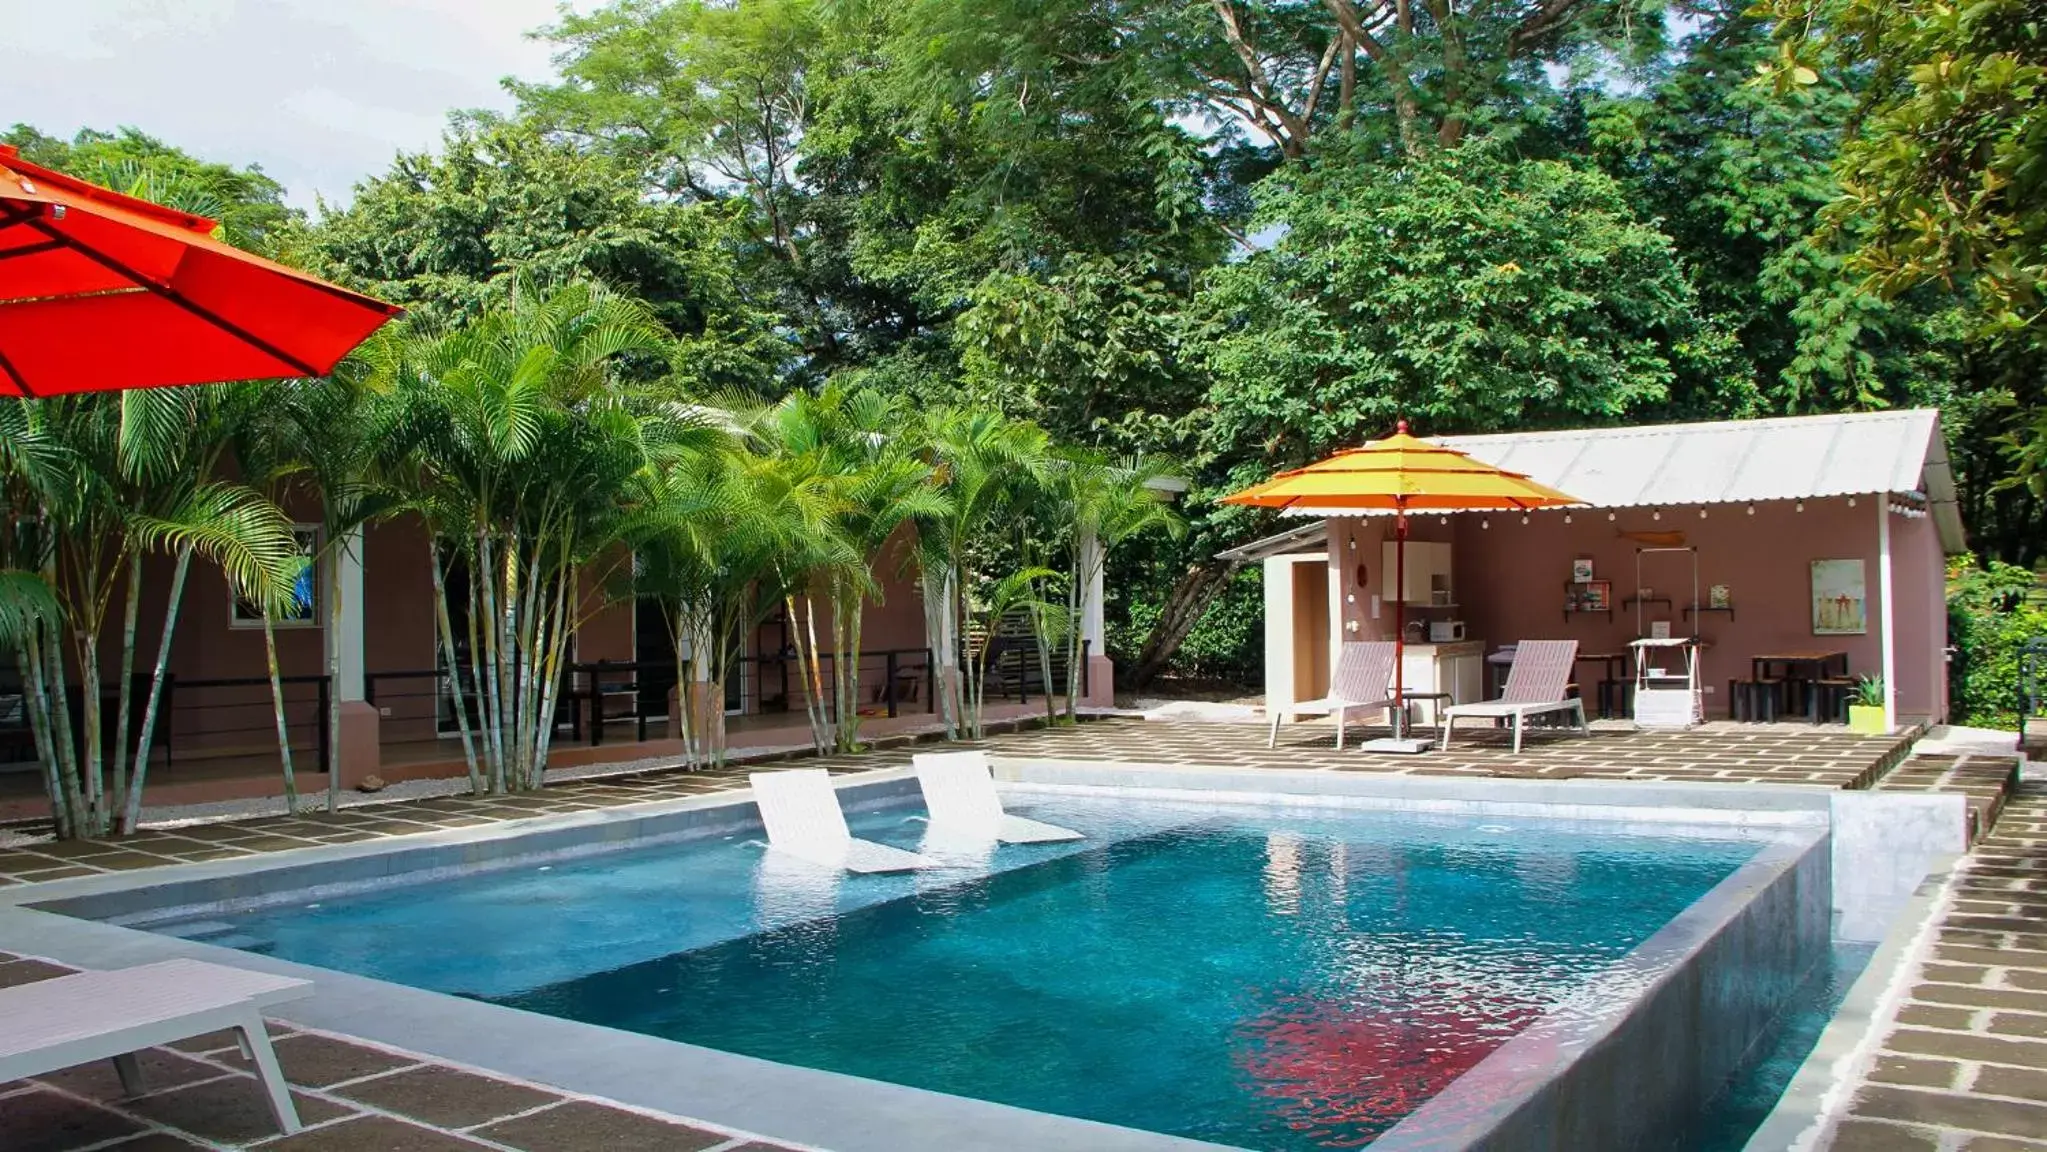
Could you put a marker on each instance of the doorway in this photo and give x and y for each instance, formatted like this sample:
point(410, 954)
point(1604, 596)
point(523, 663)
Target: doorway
point(1311, 630)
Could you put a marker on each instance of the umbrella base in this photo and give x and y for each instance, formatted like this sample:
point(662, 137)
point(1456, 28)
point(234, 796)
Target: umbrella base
point(1397, 745)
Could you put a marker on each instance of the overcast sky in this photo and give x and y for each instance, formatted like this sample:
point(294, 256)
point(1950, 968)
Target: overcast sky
point(321, 93)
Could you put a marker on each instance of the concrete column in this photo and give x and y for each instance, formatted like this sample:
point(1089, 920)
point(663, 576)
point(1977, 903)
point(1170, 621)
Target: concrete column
point(360, 751)
point(1279, 632)
point(348, 561)
point(1889, 615)
point(1101, 671)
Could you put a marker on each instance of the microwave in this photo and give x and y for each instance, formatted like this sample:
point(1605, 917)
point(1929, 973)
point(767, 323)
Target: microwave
point(1445, 631)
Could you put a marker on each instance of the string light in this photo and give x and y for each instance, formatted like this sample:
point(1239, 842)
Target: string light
point(1798, 507)
point(1567, 517)
point(1524, 517)
point(1702, 513)
point(1751, 509)
point(1485, 523)
point(1656, 515)
point(1851, 501)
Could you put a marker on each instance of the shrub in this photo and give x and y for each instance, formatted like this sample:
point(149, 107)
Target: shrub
point(1992, 612)
point(1227, 643)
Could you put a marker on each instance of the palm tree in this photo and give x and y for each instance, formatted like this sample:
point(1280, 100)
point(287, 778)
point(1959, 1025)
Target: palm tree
point(854, 440)
point(326, 439)
point(1102, 504)
point(94, 484)
point(524, 445)
point(985, 465)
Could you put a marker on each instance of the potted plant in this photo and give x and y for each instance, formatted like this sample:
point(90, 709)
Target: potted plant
point(1866, 710)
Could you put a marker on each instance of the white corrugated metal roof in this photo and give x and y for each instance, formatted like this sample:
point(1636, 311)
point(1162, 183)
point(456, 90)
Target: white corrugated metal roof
point(1739, 461)
point(1786, 458)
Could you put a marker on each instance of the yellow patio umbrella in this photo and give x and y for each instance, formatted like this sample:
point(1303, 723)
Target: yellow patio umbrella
point(1399, 474)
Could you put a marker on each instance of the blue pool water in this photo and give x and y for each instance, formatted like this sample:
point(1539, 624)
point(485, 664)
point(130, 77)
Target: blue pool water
point(1753, 1091)
point(1261, 977)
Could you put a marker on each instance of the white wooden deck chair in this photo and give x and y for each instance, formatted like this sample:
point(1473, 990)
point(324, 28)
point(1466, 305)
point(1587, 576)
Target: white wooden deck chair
point(959, 793)
point(71, 1020)
point(1364, 679)
point(1536, 683)
point(800, 810)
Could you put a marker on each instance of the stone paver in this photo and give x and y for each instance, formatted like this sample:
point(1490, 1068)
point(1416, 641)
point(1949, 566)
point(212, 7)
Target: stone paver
point(352, 1098)
point(1963, 1063)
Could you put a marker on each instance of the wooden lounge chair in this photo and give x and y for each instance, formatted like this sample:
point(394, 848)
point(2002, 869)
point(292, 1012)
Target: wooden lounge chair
point(1364, 678)
point(1536, 685)
point(72, 1020)
point(959, 793)
point(800, 810)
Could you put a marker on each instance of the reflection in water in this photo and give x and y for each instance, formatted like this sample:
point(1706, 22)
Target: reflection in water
point(1282, 873)
point(788, 889)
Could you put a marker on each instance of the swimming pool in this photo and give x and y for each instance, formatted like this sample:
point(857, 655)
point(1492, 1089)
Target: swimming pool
point(1261, 976)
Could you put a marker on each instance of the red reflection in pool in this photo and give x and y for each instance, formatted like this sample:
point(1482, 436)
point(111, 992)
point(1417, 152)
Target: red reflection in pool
point(1341, 1072)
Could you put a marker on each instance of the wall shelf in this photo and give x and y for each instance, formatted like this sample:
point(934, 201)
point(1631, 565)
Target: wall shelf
point(1631, 601)
point(1702, 609)
point(1575, 597)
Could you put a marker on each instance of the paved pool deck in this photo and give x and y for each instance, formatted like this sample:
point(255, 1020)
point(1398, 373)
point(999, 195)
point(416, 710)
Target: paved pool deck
point(350, 1096)
point(1961, 1055)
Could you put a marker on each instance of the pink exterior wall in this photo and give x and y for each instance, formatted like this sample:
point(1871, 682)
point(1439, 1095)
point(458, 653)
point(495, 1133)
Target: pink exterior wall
point(1510, 581)
point(399, 634)
point(1355, 540)
point(1919, 578)
point(401, 631)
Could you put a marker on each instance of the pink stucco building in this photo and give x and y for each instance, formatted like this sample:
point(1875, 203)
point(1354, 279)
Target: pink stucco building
point(1809, 533)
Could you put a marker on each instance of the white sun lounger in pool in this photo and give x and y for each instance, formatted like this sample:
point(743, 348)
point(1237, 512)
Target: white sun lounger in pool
point(800, 809)
point(959, 793)
point(70, 1020)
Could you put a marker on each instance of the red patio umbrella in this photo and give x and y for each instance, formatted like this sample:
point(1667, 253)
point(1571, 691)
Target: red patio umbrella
point(101, 291)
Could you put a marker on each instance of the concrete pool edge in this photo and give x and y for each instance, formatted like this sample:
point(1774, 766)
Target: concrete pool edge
point(842, 1112)
point(1646, 1044)
point(1844, 1048)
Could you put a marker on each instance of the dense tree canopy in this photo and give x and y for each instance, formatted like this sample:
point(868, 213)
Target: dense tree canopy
point(1243, 231)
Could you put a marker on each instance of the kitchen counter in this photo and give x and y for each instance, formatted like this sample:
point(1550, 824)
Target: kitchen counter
point(1447, 649)
point(1455, 667)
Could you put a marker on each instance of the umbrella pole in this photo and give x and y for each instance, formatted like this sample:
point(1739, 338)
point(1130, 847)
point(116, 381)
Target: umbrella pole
point(1399, 621)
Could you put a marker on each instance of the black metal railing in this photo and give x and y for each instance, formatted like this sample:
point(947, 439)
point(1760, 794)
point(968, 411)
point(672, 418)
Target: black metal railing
point(194, 716)
point(2032, 686)
point(639, 691)
point(1014, 670)
point(239, 713)
point(596, 696)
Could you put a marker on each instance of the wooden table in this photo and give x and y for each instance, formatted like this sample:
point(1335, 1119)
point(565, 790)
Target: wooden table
point(1806, 666)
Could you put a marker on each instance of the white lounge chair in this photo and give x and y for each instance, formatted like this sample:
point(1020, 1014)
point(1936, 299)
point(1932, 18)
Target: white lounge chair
point(1536, 683)
point(800, 810)
point(959, 793)
point(1364, 679)
point(70, 1020)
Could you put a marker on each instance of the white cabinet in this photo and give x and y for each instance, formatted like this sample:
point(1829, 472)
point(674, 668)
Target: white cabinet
point(1427, 573)
point(1458, 669)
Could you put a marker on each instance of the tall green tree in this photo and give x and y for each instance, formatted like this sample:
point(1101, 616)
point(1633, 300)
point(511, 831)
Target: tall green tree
point(1462, 291)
